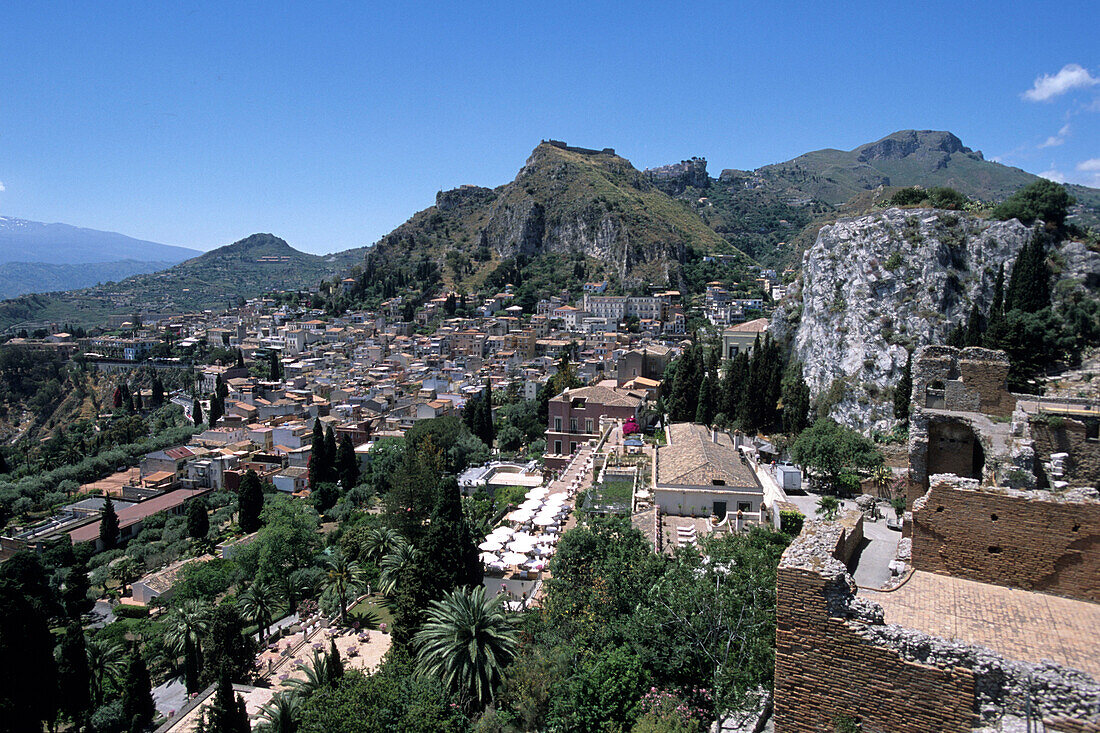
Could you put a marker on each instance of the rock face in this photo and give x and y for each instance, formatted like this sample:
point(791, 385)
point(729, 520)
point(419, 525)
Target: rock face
point(876, 287)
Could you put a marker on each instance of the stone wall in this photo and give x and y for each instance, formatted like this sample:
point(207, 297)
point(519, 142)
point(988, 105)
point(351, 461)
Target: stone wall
point(825, 668)
point(972, 379)
point(835, 656)
point(1058, 434)
point(1035, 540)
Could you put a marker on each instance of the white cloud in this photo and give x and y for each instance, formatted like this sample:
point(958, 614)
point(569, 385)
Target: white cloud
point(1057, 139)
point(1053, 175)
point(1090, 165)
point(1047, 87)
point(2, 186)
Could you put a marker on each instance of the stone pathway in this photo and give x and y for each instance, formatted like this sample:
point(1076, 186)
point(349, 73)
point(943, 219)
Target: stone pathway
point(1019, 624)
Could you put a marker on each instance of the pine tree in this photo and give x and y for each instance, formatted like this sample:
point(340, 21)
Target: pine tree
point(250, 502)
point(196, 412)
point(137, 693)
point(347, 464)
point(227, 711)
point(226, 649)
point(903, 390)
point(108, 524)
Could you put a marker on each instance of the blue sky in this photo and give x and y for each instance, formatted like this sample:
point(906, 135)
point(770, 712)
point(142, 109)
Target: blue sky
point(329, 124)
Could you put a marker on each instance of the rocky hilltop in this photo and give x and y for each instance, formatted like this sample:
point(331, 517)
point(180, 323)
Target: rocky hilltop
point(875, 287)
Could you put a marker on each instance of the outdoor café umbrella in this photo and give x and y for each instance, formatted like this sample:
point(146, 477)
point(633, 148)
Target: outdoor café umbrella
point(531, 504)
point(514, 558)
point(545, 520)
point(502, 531)
point(490, 545)
point(523, 546)
point(488, 557)
point(536, 493)
point(521, 515)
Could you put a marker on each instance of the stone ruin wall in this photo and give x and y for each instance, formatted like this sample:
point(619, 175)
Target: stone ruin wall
point(1063, 434)
point(834, 655)
point(1035, 540)
point(974, 379)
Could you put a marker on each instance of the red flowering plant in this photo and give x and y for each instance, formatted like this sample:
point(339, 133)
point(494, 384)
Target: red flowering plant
point(687, 710)
point(630, 427)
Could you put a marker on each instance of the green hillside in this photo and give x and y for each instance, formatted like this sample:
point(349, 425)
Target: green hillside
point(217, 279)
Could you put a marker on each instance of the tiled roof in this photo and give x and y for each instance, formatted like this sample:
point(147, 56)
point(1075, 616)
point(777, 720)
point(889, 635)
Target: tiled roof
point(692, 458)
point(603, 396)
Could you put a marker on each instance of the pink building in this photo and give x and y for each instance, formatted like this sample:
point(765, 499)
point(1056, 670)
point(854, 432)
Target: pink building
point(574, 417)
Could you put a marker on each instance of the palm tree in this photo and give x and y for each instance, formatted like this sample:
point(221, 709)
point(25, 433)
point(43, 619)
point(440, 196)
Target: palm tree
point(466, 642)
point(105, 664)
point(282, 714)
point(394, 565)
point(186, 627)
point(259, 604)
point(317, 676)
point(342, 577)
point(381, 541)
point(828, 507)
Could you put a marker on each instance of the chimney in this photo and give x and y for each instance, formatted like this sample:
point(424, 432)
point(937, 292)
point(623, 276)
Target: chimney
point(714, 435)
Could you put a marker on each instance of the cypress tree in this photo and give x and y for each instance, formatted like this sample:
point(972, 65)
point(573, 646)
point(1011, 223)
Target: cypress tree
point(330, 475)
point(240, 359)
point(198, 522)
point(250, 501)
point(1029, 286)
point(974, 326)
point(108, 524)
point(796, 399)
point(706, 401)
point(157, 397)
point(317, 457)
point(448, 550)
point(216, 410)
point(196, 412)
point(227, 711)
point(335, 666)
point(73, 676)
point(220, 388)
point(75, 595)
point(127, 398)
point(137, 693)
point(347, 464)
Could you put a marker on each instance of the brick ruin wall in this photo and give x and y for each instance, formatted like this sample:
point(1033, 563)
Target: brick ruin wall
point(1055, 434)
point(835, 656)
point(1035, 540)
point(973, 379)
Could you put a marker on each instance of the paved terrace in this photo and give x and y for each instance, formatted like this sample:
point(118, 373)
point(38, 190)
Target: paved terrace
point(1016, 623)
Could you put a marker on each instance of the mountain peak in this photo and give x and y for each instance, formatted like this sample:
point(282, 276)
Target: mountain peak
point(905, 143)
point(255, 244)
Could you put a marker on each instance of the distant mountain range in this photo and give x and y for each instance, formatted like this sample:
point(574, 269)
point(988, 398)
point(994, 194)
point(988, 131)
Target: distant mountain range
point(217, 279)
point(37, 257)
point(571, 214)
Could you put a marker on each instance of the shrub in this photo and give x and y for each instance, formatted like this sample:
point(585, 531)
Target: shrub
point(127, 611)
point(893, 262)
point(791, 522)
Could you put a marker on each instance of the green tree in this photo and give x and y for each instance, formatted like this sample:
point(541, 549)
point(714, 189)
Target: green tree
point(466, 642)
point(185, 629)
point(75, 593)
point(250, 502)
point(283, 714)
point(1040, 200)
point(828, 507)
point(106, 659)
point(227, 713)
point(198, 521)
point(125, 570)
point(196, 412)
point(259, 603)
point(335, 664)
point(795, 395)
point(274, 366)
point(347, 464)
point(217, 409)
point(449, 553)
point(831, 450)
point(606, 692)
point(27, 666)
point(1029, 285)
point(73, 676)
point(343, 579)
point(138, 709)
point(108, 524)
point(226, 649)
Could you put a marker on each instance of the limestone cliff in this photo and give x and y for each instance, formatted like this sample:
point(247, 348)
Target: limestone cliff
point(874, 287)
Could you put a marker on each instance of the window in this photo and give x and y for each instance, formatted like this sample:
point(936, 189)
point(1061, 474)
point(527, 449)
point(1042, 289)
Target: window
point(588, 425)
point(557, 447)
point(557, 424)
point(572, 424)
point(744, 506)
point(1092, 430)
point(572, 447)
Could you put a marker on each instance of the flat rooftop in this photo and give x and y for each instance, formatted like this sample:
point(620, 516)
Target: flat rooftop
point(1017, 624)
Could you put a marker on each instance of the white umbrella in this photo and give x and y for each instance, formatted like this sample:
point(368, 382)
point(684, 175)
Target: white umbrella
point(502, 531)
point(488, 558)
point(531, 504)
point(521, 515)
point(545, 520)
point(536, 493)
point(490, 545)
point(525, 537)
point(521, 546)
point(513, 558)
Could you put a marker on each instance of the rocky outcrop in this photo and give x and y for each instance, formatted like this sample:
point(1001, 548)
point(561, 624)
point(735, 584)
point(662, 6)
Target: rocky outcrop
point(876, 287)
point(674, 178)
